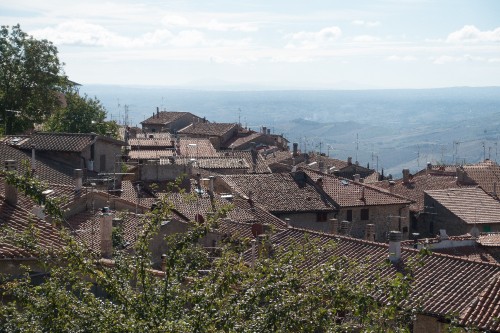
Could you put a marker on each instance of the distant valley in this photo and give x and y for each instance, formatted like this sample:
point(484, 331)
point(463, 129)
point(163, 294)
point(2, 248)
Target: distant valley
point(389, 129)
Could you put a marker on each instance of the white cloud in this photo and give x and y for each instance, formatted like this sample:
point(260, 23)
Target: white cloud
point(366, 39)
point(470, 33)
point(208, 21)
point(312, 40)
point(401, 58)
point(368, 24)
point(445, 59)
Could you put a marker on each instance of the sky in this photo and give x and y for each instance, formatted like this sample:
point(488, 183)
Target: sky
point(269, 44)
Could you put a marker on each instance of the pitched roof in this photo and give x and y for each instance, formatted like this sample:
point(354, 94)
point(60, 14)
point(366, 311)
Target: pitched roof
point(165, 117)
point(67, 142)
point(444, 285)
point(485, 174)
point(236, 143)
point(347, 193)
point(472, 205)
point(414, 189)
point(252, 160)
point(279, 192)
point(137, 143)
point(197, 148)
point(22, 222)
point(45, 169)
point(489, 239)
point(208, 129)
point(150, 154)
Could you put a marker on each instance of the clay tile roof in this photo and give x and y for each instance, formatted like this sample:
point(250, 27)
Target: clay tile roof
point(489, 239)
point(236, 143)
point(165, 117)
point(444, 285)
point(279, 192)
point(347, 193)
point(19, 221)
point(197, 148)
point(472, 205)
point(209, 129)
point(414, 190)
point(138, 143)
point(70, 142)
point(150, 154)
point(484, 311)
point(485, 174)
point(251, 159)
point(46, 170)
point(217, 163)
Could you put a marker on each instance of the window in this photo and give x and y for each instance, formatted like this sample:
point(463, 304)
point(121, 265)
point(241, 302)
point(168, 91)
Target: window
point(321, 217)
point(486, 228)
point(365, 214)
point(349, 215)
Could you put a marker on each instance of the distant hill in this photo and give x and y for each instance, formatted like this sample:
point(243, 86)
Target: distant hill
point(403, 128)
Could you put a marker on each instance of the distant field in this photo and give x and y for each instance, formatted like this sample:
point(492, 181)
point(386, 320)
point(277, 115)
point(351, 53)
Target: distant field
point(396, 128)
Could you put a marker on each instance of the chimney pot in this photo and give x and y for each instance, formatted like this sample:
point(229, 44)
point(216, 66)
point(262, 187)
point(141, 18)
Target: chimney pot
point(395, 246)
point(357, 177)
point(344, 228)
point(78, 173)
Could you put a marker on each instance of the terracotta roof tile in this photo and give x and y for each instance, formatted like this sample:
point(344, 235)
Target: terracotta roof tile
point(279, 192)
point(472, 205)
point(70, 142)
point(236, 143)
point(485, 174)
point(489, 239)
point(139, 143)
point(21, 221)
point(209, 129)
point(347, 193)
point(444, 285)
point(165, 117)
point(197, 148)
point(150, 154)
point(414, 189)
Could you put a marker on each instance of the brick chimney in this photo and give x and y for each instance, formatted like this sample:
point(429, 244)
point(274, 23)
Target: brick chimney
point(10, 190)
point(406, 176)
point(391, 186)
point(370, 232)
point(106, 231)
point(349, 160)
point(395, 246)
point(357, 177)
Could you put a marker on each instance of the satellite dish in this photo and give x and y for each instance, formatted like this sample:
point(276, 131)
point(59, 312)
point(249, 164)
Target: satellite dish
point(199, 218)
point(257, 229)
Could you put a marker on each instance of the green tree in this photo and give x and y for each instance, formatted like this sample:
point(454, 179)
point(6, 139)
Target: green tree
point(283, 292)
point(31, 79)
point(81, 115)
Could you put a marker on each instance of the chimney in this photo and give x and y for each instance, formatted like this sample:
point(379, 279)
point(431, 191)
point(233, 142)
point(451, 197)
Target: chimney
point(443, 235)
point(335, 226)
point(211, 185)
point(287, 221)
point(349, 160)
point(264, 129)
point(429, 168)
point(370, 232)
point(106, 231)
point(321, 165)
point(406, 176)
point(10, 190)
point(33, 159)
point(157, 112)
point(391, 186)
point(295, 149)
point(319, 182)
point(78, 174)
point(164, 262)
point(395, 246)
point(344, 228)
point(357, 177)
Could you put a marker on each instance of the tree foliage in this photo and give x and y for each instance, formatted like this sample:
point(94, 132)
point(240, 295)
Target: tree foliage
point(31, 79)
point(81, 115)
point(284, 291)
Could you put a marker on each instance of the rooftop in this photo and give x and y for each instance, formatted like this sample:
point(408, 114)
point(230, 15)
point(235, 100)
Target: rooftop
point(472, 205)
point(165, 117)
point(209, 129)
